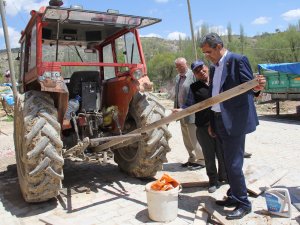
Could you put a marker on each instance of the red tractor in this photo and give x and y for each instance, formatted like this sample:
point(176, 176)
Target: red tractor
point(79, 88)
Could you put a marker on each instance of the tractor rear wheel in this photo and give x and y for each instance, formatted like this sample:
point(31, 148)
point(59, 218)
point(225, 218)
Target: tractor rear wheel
point(38, 146)
point(146, 156)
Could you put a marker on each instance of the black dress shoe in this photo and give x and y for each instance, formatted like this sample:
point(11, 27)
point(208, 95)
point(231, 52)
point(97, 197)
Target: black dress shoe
point(195, 166)
point(247, 155)
point(238, 213)
point(223, 181)
point(229, 202)
point(187, 164)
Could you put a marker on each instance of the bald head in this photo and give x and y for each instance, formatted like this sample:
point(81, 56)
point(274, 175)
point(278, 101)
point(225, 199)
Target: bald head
point(181, 65)
point(180, 60)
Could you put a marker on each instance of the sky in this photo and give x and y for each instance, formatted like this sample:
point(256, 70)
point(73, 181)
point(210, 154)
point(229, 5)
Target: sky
point(255, 16)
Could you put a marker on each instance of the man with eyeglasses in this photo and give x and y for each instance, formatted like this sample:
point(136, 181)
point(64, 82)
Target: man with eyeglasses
point(232, 119)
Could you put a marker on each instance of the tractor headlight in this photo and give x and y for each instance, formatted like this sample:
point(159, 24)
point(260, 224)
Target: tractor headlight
point(54, 75)
point(137, 74)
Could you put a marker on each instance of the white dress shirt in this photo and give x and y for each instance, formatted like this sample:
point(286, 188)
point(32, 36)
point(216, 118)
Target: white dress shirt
point(217, 81)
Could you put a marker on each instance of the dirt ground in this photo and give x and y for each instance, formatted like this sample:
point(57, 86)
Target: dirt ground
point(96, 194)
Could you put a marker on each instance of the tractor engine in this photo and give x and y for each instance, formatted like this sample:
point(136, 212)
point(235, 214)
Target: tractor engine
point(90, 119)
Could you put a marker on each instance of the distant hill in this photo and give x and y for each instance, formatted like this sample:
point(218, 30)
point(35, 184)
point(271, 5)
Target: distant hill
point(4, 59)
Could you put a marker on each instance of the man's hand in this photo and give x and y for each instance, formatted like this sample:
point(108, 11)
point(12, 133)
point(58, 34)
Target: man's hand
point(262, 83)
point(176, 110)
point(211, 132)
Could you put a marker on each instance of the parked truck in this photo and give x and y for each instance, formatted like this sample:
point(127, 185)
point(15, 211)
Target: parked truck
point(79, 88)
point(283, 81)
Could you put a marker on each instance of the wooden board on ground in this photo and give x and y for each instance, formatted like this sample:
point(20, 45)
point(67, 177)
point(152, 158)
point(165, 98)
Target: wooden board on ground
point(201, 216)
point(254, 172)
point(187, 178)
point(194, 184)
point(206, 202)
point(266, 181)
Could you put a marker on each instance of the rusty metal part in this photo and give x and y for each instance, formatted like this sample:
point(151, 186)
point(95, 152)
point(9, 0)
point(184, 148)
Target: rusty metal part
point(79, 148)
point(75, 126)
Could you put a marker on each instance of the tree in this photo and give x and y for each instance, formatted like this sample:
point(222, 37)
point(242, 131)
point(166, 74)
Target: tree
point(161, 68)
point(204, 29)
point(229, 32)
point(242, 37)
point(272, 49)
point(293, 37)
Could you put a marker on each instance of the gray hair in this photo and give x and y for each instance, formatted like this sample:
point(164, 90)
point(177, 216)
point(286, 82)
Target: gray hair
point(212, 40)
point(180, 60)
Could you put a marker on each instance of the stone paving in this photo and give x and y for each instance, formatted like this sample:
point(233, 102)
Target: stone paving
point(101, 194)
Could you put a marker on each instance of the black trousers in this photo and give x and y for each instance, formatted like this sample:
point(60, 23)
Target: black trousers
point(211, 151)
point(233, 148)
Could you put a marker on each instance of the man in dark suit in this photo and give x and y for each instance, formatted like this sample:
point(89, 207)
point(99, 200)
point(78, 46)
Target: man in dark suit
point(232, 119)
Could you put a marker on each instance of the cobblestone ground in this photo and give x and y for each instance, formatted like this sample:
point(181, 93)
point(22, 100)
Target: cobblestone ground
point(101, 194)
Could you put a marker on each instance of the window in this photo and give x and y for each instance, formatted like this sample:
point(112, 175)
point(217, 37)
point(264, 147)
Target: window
point(32, 55)
point(109, 72)
point(70, 53)
point(133, 56)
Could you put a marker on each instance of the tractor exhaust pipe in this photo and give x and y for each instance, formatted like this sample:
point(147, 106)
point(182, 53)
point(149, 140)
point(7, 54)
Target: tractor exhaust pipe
point(56, 3)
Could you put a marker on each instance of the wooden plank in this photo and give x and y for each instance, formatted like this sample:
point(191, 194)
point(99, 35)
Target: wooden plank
point(254, 172)
point(201, 216)
point(266, 181)
point(240, 89)
point(194, 184)
point(220, 218)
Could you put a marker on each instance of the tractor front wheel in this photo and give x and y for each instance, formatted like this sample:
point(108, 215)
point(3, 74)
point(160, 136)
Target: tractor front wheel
point(146, 156)
point(38, 146)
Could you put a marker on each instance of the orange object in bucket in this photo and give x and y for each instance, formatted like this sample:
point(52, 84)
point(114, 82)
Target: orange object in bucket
point(165, 183)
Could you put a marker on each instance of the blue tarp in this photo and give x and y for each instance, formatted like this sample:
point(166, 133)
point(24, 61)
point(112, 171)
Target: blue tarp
point(7, 94)
point(290, 68)
point(9, 99)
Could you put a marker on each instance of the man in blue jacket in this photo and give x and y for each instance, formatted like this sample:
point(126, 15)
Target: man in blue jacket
point(232, 119)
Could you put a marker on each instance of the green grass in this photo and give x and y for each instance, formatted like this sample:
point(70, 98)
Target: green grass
point(9, 118)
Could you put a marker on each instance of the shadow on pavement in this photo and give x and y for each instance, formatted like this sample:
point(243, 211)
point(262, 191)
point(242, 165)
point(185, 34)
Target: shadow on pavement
point(92, 177)
point(283, 118)
point(12, 199)
point(174, 167)
point(78, 178)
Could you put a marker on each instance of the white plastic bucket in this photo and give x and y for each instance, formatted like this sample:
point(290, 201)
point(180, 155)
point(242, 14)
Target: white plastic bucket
point(162, 205)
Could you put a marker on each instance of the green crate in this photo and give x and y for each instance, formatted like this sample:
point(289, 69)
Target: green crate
point(278, 82)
